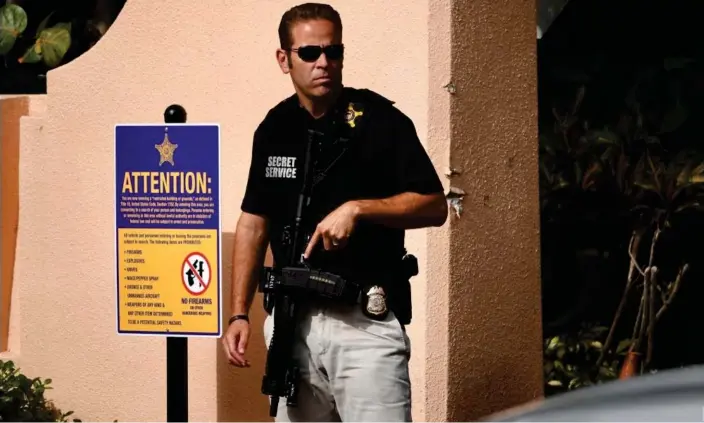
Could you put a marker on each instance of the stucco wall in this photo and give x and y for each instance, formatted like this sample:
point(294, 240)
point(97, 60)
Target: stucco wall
point(476, 321)
point(495, 335)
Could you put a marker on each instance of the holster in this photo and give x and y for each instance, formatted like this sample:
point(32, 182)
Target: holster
point(400, 301)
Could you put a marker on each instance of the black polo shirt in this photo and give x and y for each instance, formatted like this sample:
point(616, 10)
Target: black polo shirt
point(363, 148)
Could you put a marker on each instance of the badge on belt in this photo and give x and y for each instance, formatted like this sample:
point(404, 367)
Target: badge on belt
point(374, 303)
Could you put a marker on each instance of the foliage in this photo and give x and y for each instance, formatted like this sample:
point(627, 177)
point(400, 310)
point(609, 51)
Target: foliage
point(38, 36)
point(568, 360)
point(623, 160)
point(632, 172)
point(49, 44)
point(22, 399)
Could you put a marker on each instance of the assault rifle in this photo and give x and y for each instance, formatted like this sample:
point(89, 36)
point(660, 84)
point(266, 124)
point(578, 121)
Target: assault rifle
point(285, 288)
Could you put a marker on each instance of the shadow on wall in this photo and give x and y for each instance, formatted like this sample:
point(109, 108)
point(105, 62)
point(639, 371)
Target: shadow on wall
point(43, 35)
point(239, 396)
point(11, 112)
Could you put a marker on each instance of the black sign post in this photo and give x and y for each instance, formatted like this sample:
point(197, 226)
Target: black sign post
point(176, 347)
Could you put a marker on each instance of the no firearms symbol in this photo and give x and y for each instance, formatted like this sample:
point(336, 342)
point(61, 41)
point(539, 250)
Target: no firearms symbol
point(195, 273)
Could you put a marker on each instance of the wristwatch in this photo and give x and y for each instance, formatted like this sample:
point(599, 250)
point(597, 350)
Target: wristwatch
point(238, 317)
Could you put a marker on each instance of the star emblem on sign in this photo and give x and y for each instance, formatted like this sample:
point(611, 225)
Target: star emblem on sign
point(166, 149)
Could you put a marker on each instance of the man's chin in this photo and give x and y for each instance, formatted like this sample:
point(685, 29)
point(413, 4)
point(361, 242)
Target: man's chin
point(319, 93)
point(323, 90)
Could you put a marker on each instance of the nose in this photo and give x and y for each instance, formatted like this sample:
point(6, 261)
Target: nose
point(322, 60)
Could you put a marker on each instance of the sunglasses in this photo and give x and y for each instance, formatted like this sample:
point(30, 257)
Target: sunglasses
point(312, 53)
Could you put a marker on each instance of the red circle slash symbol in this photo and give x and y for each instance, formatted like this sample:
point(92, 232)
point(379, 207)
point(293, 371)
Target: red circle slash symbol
point(195, 273)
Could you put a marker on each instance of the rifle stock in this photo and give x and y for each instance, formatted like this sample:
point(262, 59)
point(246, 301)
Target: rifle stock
point(282, 374)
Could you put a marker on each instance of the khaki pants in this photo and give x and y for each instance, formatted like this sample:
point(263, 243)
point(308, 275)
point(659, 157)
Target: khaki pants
point(353, 368)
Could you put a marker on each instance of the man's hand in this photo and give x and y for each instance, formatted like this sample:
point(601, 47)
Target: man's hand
point(335, 229)
point(235, 343)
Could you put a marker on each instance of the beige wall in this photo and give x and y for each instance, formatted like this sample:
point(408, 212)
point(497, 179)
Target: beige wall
point(218, 62)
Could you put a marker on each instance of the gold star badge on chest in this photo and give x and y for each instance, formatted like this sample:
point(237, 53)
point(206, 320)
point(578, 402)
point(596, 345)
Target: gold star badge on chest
point(166, 149)
point(352, 115)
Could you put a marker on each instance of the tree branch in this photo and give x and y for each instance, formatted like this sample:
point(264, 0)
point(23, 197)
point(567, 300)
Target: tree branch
point(636, 326)
point(632, 251)
point(651, 313)
point(675, 288)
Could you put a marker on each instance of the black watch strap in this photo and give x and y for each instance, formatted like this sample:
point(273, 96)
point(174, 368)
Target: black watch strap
point(238, 317)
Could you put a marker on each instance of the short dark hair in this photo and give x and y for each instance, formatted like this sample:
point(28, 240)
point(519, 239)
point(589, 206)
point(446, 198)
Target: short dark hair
point(305, 12)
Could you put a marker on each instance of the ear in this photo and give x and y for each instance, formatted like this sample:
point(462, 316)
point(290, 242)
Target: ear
point(282, 60)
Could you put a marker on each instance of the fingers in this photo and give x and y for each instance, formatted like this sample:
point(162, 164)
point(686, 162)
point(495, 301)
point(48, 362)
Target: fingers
point(235, 345)
point(242, 345)
point(328, 242)
point(231, 352)
point(227, 346)
point(311, 243)
point(338, 242)
point(331, 240)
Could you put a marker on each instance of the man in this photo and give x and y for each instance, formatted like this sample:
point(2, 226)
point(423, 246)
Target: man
point(370, 180)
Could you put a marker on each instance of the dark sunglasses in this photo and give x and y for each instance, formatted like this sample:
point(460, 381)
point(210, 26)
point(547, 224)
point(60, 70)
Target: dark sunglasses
point(312, 53)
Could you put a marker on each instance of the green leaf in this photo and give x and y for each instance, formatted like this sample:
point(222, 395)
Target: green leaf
point(623, 346)
point(697, 174)
point(607, 372)
point(591, 175)
point(693, 205)
point(54, 43)
point(43, 24)
point(671, 63)
point(32, 55)
point(577, 172)
point(646, 186)
point(674, 118)
point(652, 140)
point(554, 342)
point(561, 352)
point(605, 137)
point(64, 25)
point(13, 21)
point(550, 143)
point(555, 383)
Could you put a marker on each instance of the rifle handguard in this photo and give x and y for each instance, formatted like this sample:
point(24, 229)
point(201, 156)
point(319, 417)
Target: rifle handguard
point(309, 281)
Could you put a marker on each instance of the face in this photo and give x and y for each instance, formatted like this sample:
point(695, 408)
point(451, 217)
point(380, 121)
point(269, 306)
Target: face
point(313, 77)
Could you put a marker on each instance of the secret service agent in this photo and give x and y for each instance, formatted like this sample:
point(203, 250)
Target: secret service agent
point(363, 149)
point(370, 180)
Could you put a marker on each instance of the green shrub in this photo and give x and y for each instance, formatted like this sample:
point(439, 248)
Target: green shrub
point(22, 399)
